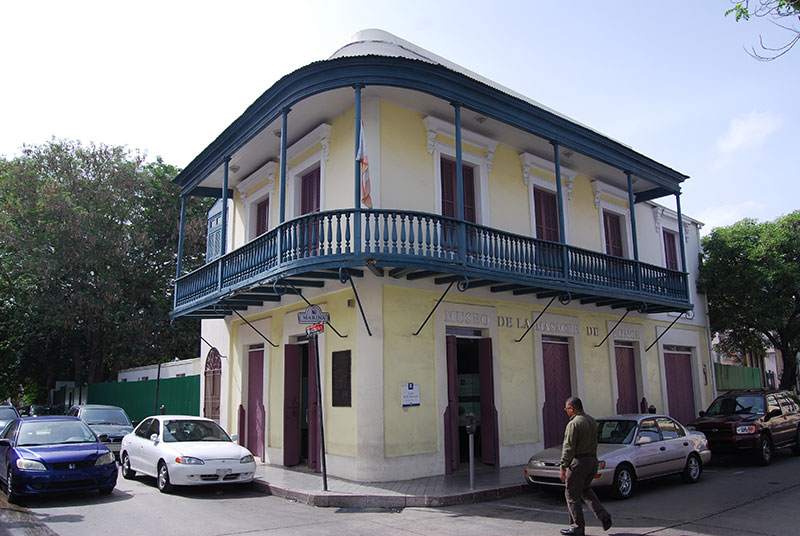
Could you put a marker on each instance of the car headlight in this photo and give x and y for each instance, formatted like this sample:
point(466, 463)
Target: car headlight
point(30, 465)
point(246, 459)
point(105, 459)
point(746, 429)
point(189, 460)
point(537, 463)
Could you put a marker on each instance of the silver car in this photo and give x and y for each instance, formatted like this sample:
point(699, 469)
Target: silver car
point(632, 448)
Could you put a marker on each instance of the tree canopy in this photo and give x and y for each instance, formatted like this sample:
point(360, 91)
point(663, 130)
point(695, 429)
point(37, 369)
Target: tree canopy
point(777, 11)
point(751, 275)
point(88, 244)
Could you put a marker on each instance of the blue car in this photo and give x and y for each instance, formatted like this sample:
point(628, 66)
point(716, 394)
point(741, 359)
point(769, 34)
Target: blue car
point(53, 454)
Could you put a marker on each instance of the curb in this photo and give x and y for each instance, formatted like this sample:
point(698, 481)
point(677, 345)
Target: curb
point(337, 500)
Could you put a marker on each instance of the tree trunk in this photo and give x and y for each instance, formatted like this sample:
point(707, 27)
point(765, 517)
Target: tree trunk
point(789, 376)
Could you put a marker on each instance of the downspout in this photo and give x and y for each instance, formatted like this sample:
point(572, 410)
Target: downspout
point(683, 242)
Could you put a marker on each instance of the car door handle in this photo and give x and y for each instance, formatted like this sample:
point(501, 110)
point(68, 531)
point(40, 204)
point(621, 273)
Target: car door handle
point(662, 448)
point(685, 443)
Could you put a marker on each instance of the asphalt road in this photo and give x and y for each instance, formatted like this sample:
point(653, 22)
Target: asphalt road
point(733, 498)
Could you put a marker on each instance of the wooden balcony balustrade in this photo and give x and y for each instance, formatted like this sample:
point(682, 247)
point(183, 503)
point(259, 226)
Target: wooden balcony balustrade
point(428, 242)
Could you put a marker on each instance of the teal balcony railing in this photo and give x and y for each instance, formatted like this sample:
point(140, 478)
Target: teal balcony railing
point(424, 241)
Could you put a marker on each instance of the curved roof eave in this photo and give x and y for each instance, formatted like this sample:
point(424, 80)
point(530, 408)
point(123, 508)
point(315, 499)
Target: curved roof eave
point(435, 80)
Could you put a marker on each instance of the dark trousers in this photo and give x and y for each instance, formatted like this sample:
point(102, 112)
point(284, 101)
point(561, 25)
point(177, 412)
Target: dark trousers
point(578, 491)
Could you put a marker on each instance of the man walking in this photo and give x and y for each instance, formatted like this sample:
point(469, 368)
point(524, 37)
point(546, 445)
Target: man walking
point(578, 467)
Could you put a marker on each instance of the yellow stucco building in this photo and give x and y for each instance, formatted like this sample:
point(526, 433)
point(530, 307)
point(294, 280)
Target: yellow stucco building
point(504, 259)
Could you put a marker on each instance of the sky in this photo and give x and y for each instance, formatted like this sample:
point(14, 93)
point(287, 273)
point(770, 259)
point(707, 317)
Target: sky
point(670, 79)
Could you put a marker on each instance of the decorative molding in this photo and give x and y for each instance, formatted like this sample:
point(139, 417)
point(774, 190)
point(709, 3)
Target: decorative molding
point(599, 188)
point(267, 171)
point(531, 162)
point(321, 135)
point(658, 215)
point(434, 126)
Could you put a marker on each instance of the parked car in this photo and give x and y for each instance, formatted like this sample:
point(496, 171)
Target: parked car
point(50, 454)
point(753, 421)
point(186, 451)
point(37, 410)
point(7, 414)
point(110, 423)
point(631, 448)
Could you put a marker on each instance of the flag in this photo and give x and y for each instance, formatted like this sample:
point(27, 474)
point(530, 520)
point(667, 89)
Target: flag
point(361, 156)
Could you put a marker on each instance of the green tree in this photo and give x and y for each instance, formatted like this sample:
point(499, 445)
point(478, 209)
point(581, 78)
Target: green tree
point(751, 275)
point(777, 11)
point(88, 239)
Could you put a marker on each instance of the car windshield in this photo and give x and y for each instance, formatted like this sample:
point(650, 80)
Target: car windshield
point(615, 431)
point(105, 416)
point(41, 432)
point(732, 405)
point(193, 430)
point(7, 414)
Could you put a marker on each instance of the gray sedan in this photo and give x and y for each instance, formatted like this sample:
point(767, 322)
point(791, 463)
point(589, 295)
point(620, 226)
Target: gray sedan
point(632, 448)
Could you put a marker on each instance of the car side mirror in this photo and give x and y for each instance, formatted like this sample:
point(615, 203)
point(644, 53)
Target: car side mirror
point(5, 443)
point(154, 437)
point(235, 438)
point(644, 440)
point(103, 438)
point(702, 413)
point(773, 413)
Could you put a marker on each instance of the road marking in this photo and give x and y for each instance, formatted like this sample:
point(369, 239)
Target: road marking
point(739, 473)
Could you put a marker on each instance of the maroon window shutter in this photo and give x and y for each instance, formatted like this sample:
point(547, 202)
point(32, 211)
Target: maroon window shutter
point(469, 193)
point(262, 214)
point(546, 210)
point(613, 229)
point(309, 201)
point(448, 188)
point(670, 252)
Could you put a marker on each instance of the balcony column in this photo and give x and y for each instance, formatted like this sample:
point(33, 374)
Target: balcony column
point(281, 231)
point(680, 232)
point(180, 248)
point(357, 181)
point(462, 235)
point(633, 231)
point(561, 226)
point(223, 248)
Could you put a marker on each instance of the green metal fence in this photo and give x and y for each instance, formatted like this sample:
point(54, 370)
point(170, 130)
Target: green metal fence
point(736, 377)
point(179, 396)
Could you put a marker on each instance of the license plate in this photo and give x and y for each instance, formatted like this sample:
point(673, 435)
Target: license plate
point(223, 472)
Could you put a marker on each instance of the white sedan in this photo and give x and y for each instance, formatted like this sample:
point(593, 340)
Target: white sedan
point(184, 451)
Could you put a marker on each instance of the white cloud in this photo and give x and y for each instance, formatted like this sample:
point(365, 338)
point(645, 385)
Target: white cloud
point(745, 132)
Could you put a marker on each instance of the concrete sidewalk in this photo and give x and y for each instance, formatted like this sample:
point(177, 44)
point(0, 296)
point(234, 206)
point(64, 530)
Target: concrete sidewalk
point(306, 487)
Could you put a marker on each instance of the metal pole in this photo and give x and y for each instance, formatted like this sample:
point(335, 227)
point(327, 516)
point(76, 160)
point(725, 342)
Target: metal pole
point(357, 182)
point(631, 205)
point(319, 409)
point(471, 461)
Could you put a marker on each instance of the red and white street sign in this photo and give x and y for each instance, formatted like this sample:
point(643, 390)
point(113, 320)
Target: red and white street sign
point(315, 329)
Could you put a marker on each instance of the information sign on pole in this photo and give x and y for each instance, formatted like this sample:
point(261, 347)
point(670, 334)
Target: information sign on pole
point(313, 315)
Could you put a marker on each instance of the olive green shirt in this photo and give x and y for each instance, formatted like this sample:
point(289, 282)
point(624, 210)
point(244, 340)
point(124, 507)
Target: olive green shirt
point(580, 438)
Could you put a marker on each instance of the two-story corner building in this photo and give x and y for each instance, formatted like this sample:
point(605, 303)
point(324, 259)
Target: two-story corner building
point(476, 251)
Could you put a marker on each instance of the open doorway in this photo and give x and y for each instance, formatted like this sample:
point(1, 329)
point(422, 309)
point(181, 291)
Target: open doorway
point(301, 439)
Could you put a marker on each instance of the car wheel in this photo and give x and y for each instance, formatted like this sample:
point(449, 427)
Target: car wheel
point(764, 452)
point(163, 478)
point(796, 446)
point(106, 491)
point(694, 467)
point(127, 472)
point(12, 497)
point(624, 482)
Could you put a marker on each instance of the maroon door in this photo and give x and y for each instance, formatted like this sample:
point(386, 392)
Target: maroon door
point(626, 380)
point(451, 446)
point(680, 391)
point(292, 399)
point(613, 228)
point(546, 210)
point(255, 402)
point(310, 231)
point(557, 388)
point(489, 432)
point(314, 445)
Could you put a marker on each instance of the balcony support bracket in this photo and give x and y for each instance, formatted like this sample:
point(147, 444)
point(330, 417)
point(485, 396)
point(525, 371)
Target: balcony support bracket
point(537, 318)
point(663, 332)
point(280, 288)
point(642, 309)
point(344, 277)
point(254, 328)
point(463, 285)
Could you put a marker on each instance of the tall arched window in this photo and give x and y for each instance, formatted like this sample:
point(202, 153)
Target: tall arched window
point(213, 374)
